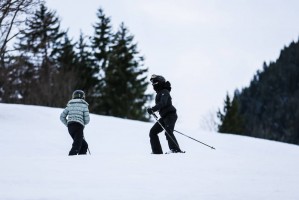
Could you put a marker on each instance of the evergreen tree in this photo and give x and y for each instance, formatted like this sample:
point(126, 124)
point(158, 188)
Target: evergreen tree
point(38, 46)
point(125, 79)
point(67, 78)
point(101, 42)
point(87, 77)
point(270, 105)
point(49, 66)
point(102, 39)
point(18, 80)
point(231, 121)
point(221, 115)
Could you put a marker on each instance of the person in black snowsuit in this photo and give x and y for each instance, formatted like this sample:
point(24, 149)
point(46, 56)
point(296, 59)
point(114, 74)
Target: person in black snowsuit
point(168, 115)
point(75, 116)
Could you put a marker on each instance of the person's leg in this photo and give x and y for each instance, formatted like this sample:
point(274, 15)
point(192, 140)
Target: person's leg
point(154, 139)
point(169, 122)
point(76, 132)
point(84, 147)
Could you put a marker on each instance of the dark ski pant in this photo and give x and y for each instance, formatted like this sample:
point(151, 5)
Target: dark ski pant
point(168, 122)
point(79, 144)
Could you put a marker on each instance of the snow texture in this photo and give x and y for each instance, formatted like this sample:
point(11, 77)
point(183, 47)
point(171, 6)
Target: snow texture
point(35, 166)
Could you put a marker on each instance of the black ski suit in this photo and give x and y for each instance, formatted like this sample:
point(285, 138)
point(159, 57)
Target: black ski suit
point(168, 119)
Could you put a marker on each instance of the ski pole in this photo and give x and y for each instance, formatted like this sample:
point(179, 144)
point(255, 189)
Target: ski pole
point(194, 139)
point(88, 151)
point(182, 133)
point(155, 116)
point(87, 146)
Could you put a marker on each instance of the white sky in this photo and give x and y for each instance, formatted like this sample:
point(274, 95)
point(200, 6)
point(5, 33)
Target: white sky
point(204, 48)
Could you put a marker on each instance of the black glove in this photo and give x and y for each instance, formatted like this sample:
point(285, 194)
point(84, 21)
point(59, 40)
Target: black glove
point(150, 111)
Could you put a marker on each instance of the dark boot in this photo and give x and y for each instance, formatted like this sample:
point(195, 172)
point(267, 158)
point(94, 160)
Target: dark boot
point(84, 148)
point(73, 152)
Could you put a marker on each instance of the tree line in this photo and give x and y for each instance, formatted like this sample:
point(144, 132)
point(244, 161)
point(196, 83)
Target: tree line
point(44, 65)
point(269, 107)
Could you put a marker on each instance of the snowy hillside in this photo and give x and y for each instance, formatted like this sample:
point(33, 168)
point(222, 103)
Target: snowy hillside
point(35, 166)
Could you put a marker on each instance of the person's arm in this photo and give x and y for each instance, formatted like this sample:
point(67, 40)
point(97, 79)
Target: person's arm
point(163, 101)
point(63, 116)
point(86, 115)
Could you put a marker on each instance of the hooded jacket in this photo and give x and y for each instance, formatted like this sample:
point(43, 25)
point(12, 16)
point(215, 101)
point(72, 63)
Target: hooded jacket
point(163, 102)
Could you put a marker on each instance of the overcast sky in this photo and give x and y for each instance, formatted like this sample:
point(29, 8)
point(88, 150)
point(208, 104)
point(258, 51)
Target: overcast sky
point(204, 48)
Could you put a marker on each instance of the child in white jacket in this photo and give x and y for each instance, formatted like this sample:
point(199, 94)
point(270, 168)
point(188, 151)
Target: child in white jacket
point(75, 116)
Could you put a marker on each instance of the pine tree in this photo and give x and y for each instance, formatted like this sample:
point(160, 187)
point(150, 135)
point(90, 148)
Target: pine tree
point(101, 42)
point(102, 39)
point(67, 78)
point(87, 77)
point(269, 106)
point(38, 46)
point(231, 121)
point(18, 80)
point(125, 79)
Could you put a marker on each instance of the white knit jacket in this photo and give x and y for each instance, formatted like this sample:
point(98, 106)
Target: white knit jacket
point(75, 111)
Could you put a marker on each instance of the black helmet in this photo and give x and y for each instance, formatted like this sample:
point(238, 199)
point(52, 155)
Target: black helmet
point(78, 94)
point(155, 79)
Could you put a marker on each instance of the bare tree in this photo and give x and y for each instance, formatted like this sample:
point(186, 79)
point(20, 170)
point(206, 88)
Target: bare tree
point(13, 14)
point(208, 122)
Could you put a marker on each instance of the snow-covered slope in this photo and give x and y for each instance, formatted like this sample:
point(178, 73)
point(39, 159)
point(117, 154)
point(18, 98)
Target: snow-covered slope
point(35, 166)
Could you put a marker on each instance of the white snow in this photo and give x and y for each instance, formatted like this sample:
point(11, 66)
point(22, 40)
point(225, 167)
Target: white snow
point(35, 166)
